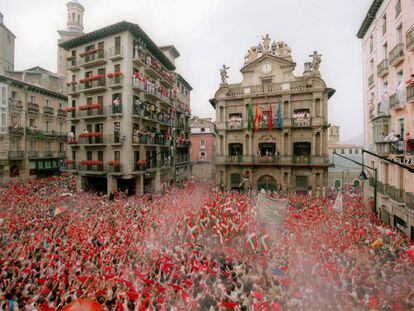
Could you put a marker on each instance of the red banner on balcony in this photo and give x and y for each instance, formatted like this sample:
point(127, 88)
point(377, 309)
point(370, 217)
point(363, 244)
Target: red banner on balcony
point(91, 162)
point(89, 107)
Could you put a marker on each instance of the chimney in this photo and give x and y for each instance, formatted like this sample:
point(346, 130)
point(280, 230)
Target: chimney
point(1, 18)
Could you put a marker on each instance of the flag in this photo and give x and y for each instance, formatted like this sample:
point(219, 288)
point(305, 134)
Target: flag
point(257, 117)
point(250, 118)
point(58, 211)
point(271, 211)
point(270, 117)
point(338, 205)
point(279, 114)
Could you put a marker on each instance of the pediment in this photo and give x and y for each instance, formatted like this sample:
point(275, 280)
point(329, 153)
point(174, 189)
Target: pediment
point(267, 58)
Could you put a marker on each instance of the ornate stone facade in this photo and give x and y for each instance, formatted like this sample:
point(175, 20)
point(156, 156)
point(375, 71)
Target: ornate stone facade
point(288, 146)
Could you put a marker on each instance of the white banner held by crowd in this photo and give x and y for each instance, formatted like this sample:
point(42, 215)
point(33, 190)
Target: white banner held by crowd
point(271, 211)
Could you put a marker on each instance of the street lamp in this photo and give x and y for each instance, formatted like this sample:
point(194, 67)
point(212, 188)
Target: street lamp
point(363, 175)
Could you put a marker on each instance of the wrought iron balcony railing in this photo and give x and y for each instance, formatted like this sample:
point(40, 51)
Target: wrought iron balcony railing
point(396, 194)
point(397, 54)
point(410, 39)
point(383, 68)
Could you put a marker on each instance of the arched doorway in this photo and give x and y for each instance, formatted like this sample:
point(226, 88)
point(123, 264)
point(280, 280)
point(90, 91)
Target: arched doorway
point(267, 183)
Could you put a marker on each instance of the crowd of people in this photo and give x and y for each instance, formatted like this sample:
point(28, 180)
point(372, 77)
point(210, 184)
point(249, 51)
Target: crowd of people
point(195, 248)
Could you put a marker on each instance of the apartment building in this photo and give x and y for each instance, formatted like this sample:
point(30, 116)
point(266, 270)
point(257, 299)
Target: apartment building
point(272, 127)
point(387, 35)
point(32, 130)
point(202, 147)
point(127, 117)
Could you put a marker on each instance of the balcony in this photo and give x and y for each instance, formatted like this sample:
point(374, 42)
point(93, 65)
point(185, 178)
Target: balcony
point(396, 103)
point(409, 200)
point(410, 39)
point(93, 59)
point(92, 113)
point(93, 86)
point(48, 111)
point(92, 167)
point(61, 113)
point(16, 155)
point(116, 53)
point(32, 107)
point(72, 63)
point(69, 166)
point(273, 160)
point(397, 194)
point(115, 167)
point(371, 80)
point(383, 69)
point(235, 123)
point(302, 122)
point(115, 139)
point(93, 141)
point(116, 82)
point(383, 188)
point(276, 88)
point(33, 154)
point(397, 55)
point(182, 144)
point(61, 154)
point(15, 103)
point(48, 154)
point(16, 130)
point(115, 110)
point(73, 90)
point(410, 93)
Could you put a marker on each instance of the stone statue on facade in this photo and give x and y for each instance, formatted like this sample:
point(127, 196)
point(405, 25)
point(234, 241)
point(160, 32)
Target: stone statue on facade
point(223, 74)
point(273, 49)
point(260, 48)
point(316, 61)
point(266, 43)
point(283, 50)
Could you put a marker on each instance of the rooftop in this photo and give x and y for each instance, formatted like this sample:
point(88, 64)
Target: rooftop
point(32, 87)
point(135, 29)
point(372, 12)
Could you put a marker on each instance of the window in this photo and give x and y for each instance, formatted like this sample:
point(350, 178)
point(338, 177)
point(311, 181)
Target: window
point(47, 104)
point(32, 122)
point(3, 120)
point(356, 151)
point(61, 130)
point(350, 151)
point(202, 156)
point(371, 44)
point(202, 129)
point(89, 155)
point(32, 99)
point(48, 146)
point(400, 34)
point(48, 126)
point(235, 180)
point(60, 105)
point(371, 66)
point(397, 8)
point(32, 145)
point(61, 147)
point(400, 128)
point(384, 24)
point(342, 151)
point(117, 155)
point(73, 155)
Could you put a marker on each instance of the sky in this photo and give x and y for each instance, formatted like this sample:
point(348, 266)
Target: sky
point(210, 33)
